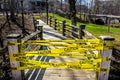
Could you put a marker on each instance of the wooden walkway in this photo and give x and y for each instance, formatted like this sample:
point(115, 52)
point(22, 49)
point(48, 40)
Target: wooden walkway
point(58, 73)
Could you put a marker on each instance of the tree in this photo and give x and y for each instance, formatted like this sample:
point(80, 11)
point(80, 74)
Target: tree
point(72, 9)
point(61, 4)
point(96, 7)
point(80, 9)
point(12, 9)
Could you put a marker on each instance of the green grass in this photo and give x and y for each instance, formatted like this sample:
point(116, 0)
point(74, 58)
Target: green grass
point(99, 30)
point(96, 30)
point(60, 18)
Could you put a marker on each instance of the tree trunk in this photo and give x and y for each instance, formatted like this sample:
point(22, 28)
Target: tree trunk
point(80, 10)
point(12, 9)
point(61, 4)
point(72, 9)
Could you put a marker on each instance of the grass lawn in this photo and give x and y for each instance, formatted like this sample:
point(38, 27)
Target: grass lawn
point(96, 30)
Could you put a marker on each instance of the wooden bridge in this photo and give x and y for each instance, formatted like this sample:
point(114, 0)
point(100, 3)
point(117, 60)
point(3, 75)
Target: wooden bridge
point(62, 74)
point(48, 33)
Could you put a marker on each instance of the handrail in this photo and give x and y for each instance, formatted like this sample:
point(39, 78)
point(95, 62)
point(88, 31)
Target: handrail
point(89, 34)
point(77, 32)
point(73, 26)
point(31, 35)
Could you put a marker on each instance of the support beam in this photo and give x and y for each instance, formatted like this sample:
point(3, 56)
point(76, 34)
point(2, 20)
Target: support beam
point(81, 32)
point(47, 10)
point(14, 49)
point(106, 54)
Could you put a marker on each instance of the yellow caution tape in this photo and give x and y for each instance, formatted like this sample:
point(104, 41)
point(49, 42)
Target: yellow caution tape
point(57, 55)
point(16, 43)
point(35, 62)
point(73, 41)
point(94, 43)
point(54, 44)
point(71, 45)
point(78, 41)
point(82, 64)
point(108, 44)
point(103, 70)
point(78, 49)
point(13, 43)
point(90, 46)
point(89, 67)
point(71, 52)
point(60, 50)
point(55, 51)
point(60, 44)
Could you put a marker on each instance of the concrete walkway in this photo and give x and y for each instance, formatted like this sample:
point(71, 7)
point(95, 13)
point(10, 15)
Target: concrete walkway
point(58, 73)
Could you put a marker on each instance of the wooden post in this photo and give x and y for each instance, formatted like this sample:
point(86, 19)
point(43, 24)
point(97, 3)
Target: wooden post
point(50, 20)
point(109, 19)
point(55, 24)
point(108, 41)
point(1, 43)
point(35, 23)
point(106, 20)
point(14, 49)
point(63, 28)
point(40, 28)
point(40, 35)
point(81, 32)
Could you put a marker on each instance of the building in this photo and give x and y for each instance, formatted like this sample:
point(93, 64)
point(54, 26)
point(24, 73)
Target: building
point(34, 5)
point(1, 5)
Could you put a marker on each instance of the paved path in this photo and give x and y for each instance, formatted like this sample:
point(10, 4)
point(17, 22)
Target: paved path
point(57, 73)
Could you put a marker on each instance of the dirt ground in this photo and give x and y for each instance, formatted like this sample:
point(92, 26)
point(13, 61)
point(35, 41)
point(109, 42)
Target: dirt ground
point(29, 27)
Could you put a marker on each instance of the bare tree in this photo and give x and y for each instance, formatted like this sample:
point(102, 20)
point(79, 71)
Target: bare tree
point(107, 7)
point(72, 9)
point(12, 9)
point(61, 4)
point(96, 7)
point(80, 9)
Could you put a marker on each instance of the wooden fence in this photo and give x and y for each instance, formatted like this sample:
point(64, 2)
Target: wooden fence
point(5, 64)
point(70, 30)
point(80, 32)
point(115, 65)
point(16, 74)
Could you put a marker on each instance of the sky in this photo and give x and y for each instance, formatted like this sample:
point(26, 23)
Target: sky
point(86, 1)
point(83, 1)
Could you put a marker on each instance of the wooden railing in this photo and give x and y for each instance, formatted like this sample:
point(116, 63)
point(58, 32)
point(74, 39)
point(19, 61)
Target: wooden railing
point(66, 30)
point(4, 60)
point(4, 64)
point(70, 30)
point(80, 32)
point(4, 51)
point(115, 65)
